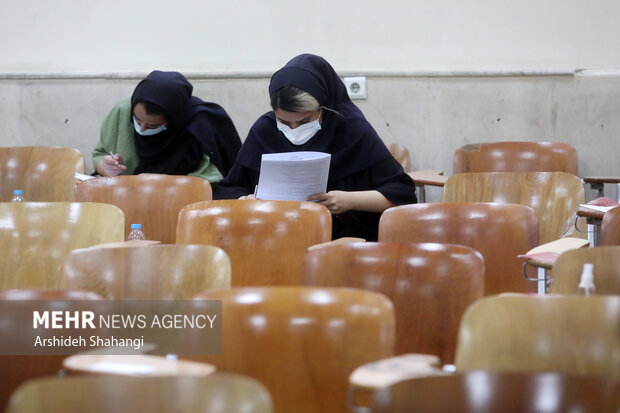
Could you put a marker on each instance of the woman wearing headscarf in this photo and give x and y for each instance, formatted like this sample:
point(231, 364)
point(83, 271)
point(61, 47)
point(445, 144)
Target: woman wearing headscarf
point(164, 129)
point(313, 112)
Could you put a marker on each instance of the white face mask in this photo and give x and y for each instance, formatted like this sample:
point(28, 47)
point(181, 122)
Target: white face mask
point(300, 134)
point(148, 132)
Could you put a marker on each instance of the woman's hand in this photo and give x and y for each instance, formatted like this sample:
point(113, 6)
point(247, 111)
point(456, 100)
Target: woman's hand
point(338, 202)
point(111, 165)
point(251, 196)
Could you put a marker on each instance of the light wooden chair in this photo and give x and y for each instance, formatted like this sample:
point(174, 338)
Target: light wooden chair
point(401, 154)
point(153, 200)
point(484, 391)
point(265, 240)
point(157, 272)
point(105, 394)
point(430, 285)
point(301, 342)
point(35, 237)
point(44, 173)
point(568, 267)
point(500, 232)
point(610, 227)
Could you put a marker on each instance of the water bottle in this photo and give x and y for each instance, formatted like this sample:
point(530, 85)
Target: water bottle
point(18, 196)
point(135, 233)
point(586, 284)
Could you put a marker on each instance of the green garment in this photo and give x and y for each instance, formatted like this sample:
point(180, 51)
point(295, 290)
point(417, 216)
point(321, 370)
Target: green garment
point(117, 137)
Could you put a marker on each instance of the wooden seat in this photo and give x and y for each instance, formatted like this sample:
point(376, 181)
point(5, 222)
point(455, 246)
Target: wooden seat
point(484, 391)
point(35, 236)
point(568, 267)
point(401, 154)
point(265, 240)
point(430, 285)
point(566, 334)
point(500, 232)
point(610, 227)
point(157, 272)
point(106, 394)
point(516, 157)
point(44, 173)
point(301, 342)
point(152, 200)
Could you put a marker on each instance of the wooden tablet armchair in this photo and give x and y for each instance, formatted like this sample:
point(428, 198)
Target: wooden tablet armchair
point(265, 240)
point(610, 227)
point(152, 200)
point(568, 267)
point(36, 236)
point(44, 173)
point(401, 154)
point(301, 342)
point(157, 272)
point(500, 232)
point(430, 285)
point(105, 394)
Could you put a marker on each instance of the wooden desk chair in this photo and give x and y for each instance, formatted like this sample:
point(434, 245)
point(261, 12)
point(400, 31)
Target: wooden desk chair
point(401, 154)
point(44, 173)
point(484, 391)
point(610, 227)
point(265, 240)
point(516, 157)
point(302, 342)
point(566, 334)
point(106, 394)
point(152, 200)
point(568, 267)
point(500, 232)
point(157, 272)
point(430, 285)
point(35, 237)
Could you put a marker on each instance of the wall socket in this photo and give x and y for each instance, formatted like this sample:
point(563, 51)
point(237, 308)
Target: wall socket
point(356, 87)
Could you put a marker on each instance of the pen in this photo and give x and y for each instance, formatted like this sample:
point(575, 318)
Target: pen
point(112, 155)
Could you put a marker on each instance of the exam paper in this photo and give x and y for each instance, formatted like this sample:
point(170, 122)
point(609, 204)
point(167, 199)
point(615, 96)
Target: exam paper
point(292, 176)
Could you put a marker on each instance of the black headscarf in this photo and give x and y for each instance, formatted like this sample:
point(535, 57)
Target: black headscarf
point(347, 135)
point(194, 127)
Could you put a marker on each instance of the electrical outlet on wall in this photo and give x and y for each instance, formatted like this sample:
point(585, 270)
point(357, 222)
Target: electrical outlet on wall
point(356, 87)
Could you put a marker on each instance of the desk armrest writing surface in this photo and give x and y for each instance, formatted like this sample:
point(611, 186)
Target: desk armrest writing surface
point(139, 365)
point(598, 182)
point(343, 240)
point(134, 243)
point(427, 177)
point(544, 255)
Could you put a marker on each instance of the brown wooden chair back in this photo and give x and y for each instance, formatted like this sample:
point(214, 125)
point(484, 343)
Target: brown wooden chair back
point(401, 154)
point(302, 342)
point(153, 200)
point(500, 232)
point(567, 334)
point(265, 240)
point(610, 227)
point(516, 157)
point(36, 236)
point(554, 196)
point(430, 285)
point(157, 272)
point(567, 269)
point(44, 173)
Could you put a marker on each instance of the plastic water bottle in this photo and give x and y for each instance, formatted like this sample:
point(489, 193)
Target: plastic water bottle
point(135, 233)
point(586, 284)
point(18, 196)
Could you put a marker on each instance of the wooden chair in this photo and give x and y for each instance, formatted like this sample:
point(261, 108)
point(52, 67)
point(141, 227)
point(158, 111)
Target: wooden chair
point(301, 342)
point(568, 267)
point(106, 394)
point(484, 391)
point(152, 200)
point(500, 232)
point(430, 285)
point(554, 196)
point(157, 272)
point(516, 157)
point(35, 236)
point(44, 173)
point(265, 240)
point(610, 227)
point(401, 154)
point(565, 334)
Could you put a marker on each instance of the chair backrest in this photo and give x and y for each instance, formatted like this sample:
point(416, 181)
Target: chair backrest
point(430, 285)
point(567, 334)
point(156, 272)
point(301, 342)
point(500, 232)
point(153, 200)
point(567, 269)
point(265, 240)
point(401, 154)
point(554, 196)
point(44, 173)
point(106, 394)
point(516, 157)
point(610, 227)
point(484, 391)
point(35, 236)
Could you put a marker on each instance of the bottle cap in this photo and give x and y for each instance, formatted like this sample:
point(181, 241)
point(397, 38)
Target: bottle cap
point(587, 276)
point(18, 192)
point(136, 226)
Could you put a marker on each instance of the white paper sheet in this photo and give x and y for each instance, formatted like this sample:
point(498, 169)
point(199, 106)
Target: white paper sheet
point(292, 176)
point(598, 208)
